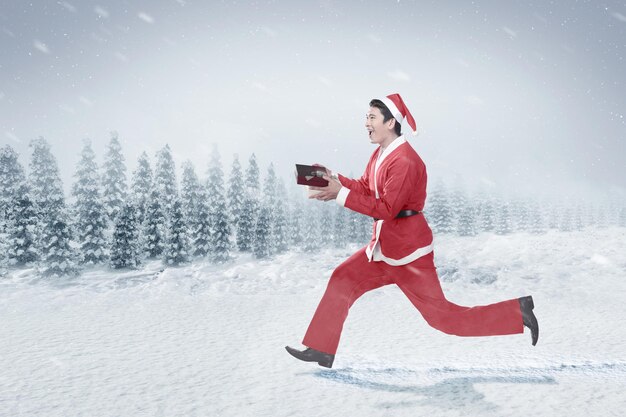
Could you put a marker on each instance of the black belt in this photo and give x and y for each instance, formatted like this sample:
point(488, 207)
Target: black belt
point(404, 213)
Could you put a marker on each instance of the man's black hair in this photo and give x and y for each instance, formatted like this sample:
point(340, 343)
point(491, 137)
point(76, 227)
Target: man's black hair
point(386, 114)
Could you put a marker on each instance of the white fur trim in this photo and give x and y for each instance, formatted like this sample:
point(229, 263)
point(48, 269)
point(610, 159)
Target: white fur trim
point(342, 195)
point(393, 109)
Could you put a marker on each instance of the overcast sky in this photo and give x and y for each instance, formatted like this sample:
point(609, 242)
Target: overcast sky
point(524, 95)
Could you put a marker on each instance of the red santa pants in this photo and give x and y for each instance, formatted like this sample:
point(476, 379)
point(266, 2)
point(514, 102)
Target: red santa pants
point(418, 280)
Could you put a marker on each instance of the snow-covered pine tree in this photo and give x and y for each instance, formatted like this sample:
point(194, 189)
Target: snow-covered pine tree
point(58, 258)
point(536, 224)
point(325, 224)
point(11, 179)
point(577, 217)
point(261, 245)
point(464, 212)
point(219, 241)
point(196, 212)
point(235, 193)
point(458, 204)
point(21, 248)
point(520, 215)
point(114, 187)
point(141, 186)
point(46, 189)
point(312, 226)
point(602, 219)
point(503, 219)
point(566, 220)
point(280, 226)
point(355, 234)
point(165, 180)
point(268, 199)
point(190, 193)
point(467, 221)
point(201, 236)
point(296, 220)
point(125, 247)
point(90, 216)
point(4, 260)
point(177, 245)
point(487, 210)
point(340, 226)
point(153, 227)
point(438, 209)
point(248, 219)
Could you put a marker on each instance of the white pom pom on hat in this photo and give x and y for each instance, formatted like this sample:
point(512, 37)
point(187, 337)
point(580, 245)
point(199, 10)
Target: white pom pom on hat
point(396, 106)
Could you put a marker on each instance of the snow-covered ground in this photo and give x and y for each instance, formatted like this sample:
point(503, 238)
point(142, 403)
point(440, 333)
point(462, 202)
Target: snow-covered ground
point(207, 340)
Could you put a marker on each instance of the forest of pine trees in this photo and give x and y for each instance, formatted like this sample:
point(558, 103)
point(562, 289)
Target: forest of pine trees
point(111, 223)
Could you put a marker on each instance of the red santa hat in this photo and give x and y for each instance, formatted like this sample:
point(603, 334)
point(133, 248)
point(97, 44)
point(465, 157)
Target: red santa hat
point(396, 106)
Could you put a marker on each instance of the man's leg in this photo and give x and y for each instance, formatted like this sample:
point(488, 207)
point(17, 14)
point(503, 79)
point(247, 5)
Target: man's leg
point(353, 278)
point(420, 283)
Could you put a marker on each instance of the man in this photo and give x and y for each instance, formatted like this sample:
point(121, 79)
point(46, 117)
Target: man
point(393, 191)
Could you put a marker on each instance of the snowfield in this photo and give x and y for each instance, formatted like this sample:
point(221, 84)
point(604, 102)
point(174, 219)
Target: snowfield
point(208, 340)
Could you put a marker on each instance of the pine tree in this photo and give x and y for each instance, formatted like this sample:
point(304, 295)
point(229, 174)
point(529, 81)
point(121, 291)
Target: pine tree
point(154, 227)
point(487, 210)
point(177, 246)
point(46, 189)
point(355, 234)
point(57, 257)
point(165, 180)
point(536, 225)
point(438, 210)
point(458, 204)
point(190, 194)
point(622, 217)
point(503, 221)
point(220, 228)
point(4, 260)
point(280, 226)
point(296, 223)
point(11, 179)
point(90, 215)
point(114, 188)
point(261, 245)
point(201, 235)
point(566, 220)
point(269, 200)
point(235, 193)
point(125, 248)
point(248, 219)
point(520, 215)
point(467, 221)
point(141, 186)
point(195, 211)
point(22, 244)
point(312, 227)
point(325, 225)
point(340, 226)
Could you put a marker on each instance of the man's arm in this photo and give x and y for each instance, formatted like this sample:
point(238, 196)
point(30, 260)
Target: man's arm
point(361, 185)
point(393, 194)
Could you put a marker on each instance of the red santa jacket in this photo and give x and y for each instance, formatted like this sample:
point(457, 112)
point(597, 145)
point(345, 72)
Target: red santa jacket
point(394, 180)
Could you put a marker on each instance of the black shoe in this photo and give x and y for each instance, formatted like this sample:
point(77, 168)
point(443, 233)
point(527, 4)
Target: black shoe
point(526, 305)
point(312, 355)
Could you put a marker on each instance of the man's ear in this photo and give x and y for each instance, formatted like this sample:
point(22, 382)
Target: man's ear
point(391, 123)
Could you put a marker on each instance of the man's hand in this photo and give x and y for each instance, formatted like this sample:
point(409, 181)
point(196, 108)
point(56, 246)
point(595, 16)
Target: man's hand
point(329, 192)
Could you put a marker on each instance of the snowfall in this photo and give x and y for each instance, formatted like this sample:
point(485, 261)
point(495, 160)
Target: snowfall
point(208, 340)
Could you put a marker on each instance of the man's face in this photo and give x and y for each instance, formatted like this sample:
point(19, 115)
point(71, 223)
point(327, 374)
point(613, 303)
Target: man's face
point(377, 129)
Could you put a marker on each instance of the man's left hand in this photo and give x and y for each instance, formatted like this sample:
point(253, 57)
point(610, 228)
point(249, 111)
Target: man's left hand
point(329, 192)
